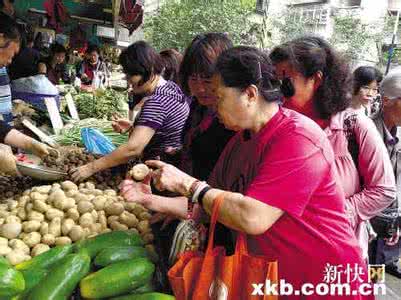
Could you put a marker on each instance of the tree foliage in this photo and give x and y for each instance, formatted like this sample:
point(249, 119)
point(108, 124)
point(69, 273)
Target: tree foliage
point(177, 22)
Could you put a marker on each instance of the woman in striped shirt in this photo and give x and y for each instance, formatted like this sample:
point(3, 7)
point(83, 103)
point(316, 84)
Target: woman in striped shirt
point(161, 121)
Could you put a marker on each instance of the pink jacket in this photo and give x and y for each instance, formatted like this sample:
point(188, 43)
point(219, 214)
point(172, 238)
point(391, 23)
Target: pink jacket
point(370, 188)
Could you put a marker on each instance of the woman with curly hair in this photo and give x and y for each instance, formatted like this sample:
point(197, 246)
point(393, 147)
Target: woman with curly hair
point(317, 84)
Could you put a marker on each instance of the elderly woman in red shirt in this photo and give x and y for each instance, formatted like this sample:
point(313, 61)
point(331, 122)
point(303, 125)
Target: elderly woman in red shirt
point(279, 170)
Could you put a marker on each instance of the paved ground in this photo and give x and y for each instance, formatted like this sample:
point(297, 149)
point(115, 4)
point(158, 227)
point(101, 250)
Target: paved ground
point(393, 290)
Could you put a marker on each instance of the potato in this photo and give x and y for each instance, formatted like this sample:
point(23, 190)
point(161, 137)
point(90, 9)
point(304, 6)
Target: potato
point(22, 201)
point(138, 209)
point(44, 228)
point(2, 221)
point(148, 238)
point(99, 202)
point(102, 219)
point(14, 212)
point(115, 225)
point(68, 203)
point(95, 228)
point(128, 219)
point(66, 226)
point(106, 230)
point(87, 232)
point(61, 241)
point(139, 172)
point(22, 235)
point(13, 219)
point(114, 209)
point(4, 214)
point(56, 186)
point(143, 226)
point(10, 230)
point(29, 206)
point(64, 203)
point(32, 239)
point(38, 196)
point(57, 194)
point(4, 250)
point(84, 207)
point(31, 226)
point(109, 201)
point(48, 239)
point(54, 213)
point(3, 241)
point(112, 219)
point(12, 204)
point(73, 213)
point(55, 227)
point(34, 215)
point(97, 192)
point(81, 197)
point(71, 193)
point(85, 191)
point(86, 220)
point(82, 185)
point(39, 249)
point(40, 206)
point(21, 213)
point(90, 185)
point(20, 245)
point(44, 189)
point(16, 257)
point(112, 193)
point(144, 216)
point(69, 185)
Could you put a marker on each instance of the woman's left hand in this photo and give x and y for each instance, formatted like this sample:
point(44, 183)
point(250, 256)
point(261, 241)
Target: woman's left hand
point(82, 173)
point(169, 178)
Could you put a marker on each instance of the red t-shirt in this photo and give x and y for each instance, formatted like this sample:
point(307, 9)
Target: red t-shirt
point(289, 164)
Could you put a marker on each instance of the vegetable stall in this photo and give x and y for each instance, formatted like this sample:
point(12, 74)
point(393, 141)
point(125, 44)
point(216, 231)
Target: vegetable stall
point(62, 240)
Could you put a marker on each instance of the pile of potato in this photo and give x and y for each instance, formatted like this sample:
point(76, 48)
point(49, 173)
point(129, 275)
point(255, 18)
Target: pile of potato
point(60, 214)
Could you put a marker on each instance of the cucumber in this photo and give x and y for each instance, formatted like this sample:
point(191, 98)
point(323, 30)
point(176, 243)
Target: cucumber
point(60, 283)
point(11, 281)
point(4, 261)
point(146, 288)
point(107, 240)
point(112, 255)
point(32, 278)
point(46, 259)
point(146, 296)
point(117, 279)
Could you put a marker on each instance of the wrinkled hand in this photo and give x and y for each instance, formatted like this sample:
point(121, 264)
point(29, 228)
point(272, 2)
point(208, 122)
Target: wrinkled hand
point(166, 177)
point(41, 150)
point(137, 192)
point(121, 125)
point(82, 173)
point(8, 162)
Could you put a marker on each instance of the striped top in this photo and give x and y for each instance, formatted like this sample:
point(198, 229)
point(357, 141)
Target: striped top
point(166, 111)
point(5, 92)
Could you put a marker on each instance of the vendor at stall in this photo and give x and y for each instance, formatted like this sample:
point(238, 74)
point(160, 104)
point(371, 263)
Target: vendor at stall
point(55, 67)
point(277, 177)
point(14, 138)
point(91, 65)
point(161, 121)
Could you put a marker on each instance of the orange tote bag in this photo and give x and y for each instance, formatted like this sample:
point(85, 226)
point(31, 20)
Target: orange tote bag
point(215, 276)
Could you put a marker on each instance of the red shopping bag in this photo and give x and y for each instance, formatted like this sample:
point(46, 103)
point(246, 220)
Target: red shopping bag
point(213, 275)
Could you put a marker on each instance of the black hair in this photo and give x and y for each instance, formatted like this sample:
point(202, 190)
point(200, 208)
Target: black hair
point(365, 75)
point(172, 60)
point(311, 54)
point(9, 29)
point(141, 59)
point(92, 48)
point(57, 48)
point(201, 56)
point(242, 66)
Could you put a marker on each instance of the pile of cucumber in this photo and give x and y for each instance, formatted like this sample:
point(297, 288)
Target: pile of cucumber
point(113, 265)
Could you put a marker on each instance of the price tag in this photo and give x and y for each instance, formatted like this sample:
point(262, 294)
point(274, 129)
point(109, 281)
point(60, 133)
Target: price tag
point(71, 106)
point(54, 113)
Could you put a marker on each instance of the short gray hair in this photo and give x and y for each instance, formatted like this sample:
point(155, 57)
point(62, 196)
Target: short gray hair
point(390, 87)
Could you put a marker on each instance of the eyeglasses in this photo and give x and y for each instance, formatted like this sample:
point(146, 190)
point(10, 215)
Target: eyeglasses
point(365, 88)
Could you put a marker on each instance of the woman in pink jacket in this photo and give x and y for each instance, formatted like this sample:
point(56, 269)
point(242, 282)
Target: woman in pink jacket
point(317, 84)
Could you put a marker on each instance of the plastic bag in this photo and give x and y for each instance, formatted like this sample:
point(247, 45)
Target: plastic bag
point(96, 142)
